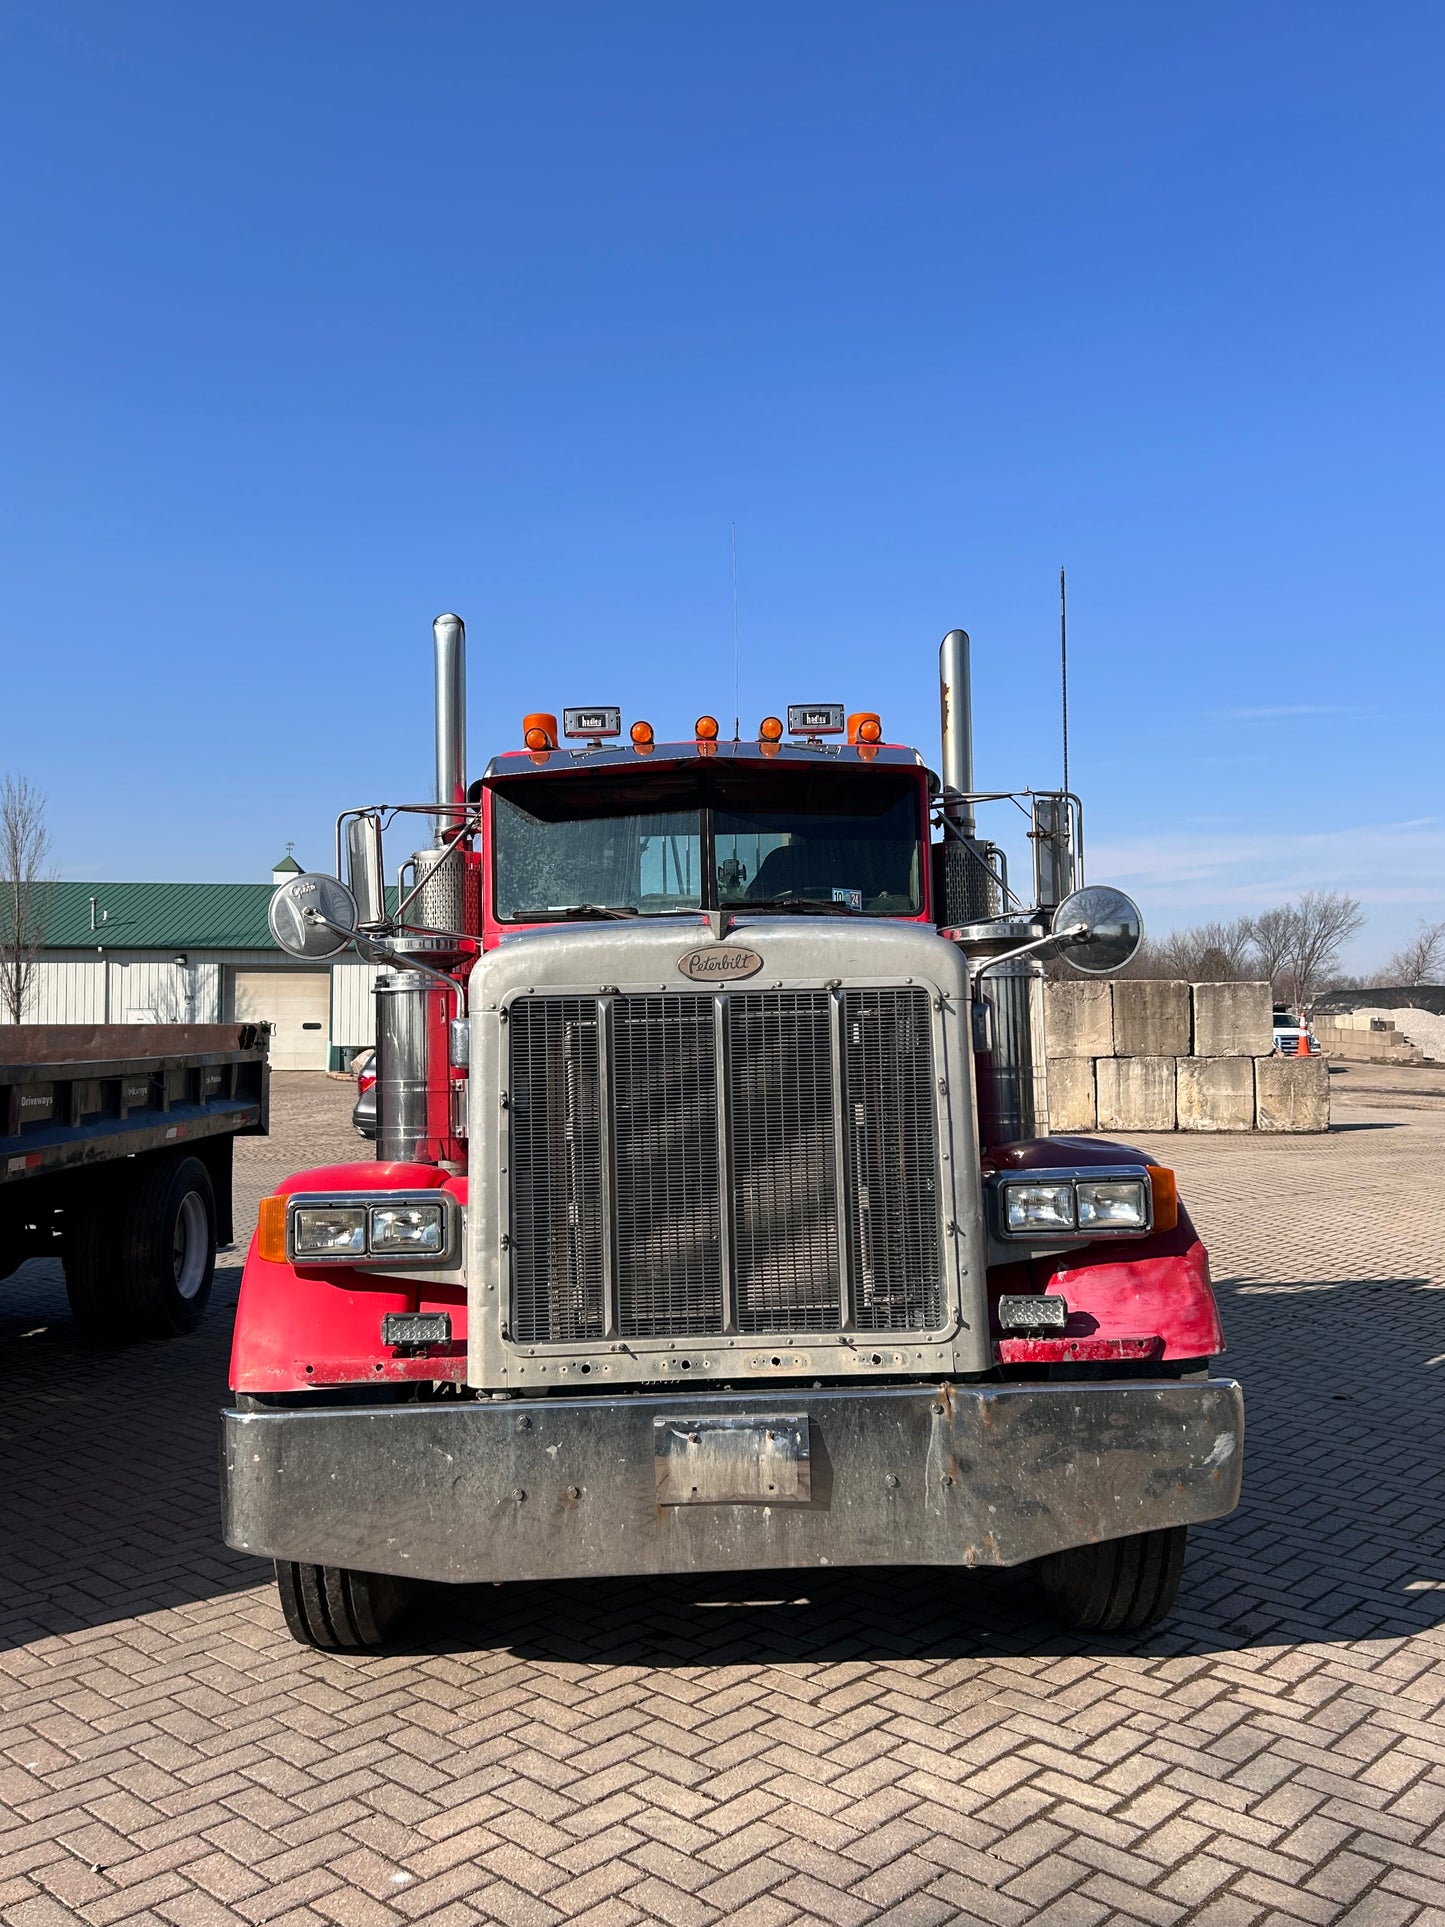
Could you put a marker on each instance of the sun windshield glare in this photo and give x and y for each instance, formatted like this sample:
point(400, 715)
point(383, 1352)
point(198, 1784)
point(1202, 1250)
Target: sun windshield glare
point(580, 845)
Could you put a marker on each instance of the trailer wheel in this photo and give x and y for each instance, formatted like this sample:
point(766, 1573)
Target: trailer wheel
point(1117, 1586)
point(336, 1609)
point(139, 1264)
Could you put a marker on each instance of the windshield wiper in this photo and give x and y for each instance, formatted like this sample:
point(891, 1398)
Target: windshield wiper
point(573, 910)
point(810, 906)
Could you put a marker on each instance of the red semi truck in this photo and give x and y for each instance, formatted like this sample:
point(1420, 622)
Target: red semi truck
point(714, 1222)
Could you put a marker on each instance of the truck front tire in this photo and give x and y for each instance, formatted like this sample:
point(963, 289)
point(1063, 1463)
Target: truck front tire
point(1118, 1585)
point(338, 1610)
point(140, 1262)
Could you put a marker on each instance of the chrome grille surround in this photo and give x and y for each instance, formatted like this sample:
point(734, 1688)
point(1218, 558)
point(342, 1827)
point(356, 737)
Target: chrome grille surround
point(767, 1180)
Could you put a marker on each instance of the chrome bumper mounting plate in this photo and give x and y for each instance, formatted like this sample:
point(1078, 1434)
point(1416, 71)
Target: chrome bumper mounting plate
point(732, 1459)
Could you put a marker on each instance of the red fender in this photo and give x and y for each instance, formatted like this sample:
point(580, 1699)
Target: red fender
point(1150, 1298)
point(299, 1327)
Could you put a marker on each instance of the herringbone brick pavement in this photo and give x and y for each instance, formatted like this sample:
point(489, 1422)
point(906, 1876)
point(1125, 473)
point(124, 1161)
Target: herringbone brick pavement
point(780, 1748)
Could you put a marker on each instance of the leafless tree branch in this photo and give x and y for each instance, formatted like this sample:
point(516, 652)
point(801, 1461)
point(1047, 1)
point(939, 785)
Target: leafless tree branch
point(24, 886)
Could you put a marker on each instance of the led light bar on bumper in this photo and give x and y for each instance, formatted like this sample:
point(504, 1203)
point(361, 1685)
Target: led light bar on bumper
point(423, 1229)
point(1129, 1201)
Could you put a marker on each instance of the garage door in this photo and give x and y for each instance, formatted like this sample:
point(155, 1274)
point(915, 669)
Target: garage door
point(297, 1004)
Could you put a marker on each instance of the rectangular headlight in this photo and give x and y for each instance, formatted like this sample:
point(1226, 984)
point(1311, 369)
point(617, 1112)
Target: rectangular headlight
point(328, 1231)
point(1113, 1204)
point(407, 1227)
point(1039, 1206)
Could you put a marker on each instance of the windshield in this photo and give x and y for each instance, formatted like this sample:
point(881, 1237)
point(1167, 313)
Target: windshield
point(834, 841)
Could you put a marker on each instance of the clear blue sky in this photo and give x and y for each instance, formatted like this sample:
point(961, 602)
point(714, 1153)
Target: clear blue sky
point(320, 319)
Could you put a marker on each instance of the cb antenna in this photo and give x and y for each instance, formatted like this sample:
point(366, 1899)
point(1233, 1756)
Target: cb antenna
point(737, 671)
point(1064, 670)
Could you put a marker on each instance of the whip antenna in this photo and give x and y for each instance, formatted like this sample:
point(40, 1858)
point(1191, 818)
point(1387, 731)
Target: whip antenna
point(737, 671)
point(1064, 670)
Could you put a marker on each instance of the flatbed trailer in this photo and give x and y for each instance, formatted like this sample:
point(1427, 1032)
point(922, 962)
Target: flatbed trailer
point(115, 1157)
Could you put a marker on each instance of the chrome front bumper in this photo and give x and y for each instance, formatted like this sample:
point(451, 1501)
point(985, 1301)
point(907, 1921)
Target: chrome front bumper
point(916, 1475)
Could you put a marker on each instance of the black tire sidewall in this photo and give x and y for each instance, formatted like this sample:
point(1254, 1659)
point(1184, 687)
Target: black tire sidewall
point(147, 1247)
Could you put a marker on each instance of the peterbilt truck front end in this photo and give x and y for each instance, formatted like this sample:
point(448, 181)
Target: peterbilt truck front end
point(716, 1227)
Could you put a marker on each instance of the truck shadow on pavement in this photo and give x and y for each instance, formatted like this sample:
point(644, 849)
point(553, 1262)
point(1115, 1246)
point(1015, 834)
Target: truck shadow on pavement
point(109, 1509)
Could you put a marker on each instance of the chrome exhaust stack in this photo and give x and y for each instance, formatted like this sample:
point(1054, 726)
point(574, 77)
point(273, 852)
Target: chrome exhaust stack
point(955, 705)
point(450, 635)
point(1008, 990)
point(965, 883)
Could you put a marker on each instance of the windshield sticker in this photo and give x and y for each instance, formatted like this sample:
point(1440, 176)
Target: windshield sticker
point(853, 898)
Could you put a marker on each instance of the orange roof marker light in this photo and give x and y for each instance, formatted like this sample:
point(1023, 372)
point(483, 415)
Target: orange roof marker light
point(539, 730)
point(641, 734)
point(705, 729)
point(770, 730)
point(865, 727)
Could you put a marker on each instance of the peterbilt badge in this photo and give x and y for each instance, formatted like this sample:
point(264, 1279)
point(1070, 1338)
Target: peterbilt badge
point(720, 963)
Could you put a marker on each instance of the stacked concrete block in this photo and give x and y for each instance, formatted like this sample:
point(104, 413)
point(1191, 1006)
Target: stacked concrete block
point(1292, 1093)
point(1233, 1020)
point(1365, 1042)
point(1216, 1093)
point(1079, 1018)
point(1136, 1093)
point(1072, 1103)
point(1159, 1055)
point(1151, 1018)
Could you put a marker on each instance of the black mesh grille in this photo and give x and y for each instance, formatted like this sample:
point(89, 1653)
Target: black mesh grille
point(893, 1161)
point(665, 1138)
point(667, 1172)
point(784, 1166)
point(557, 1220)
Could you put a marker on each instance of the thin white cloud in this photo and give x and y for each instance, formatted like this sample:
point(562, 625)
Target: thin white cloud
point(1282, 710)
point(1396, 870)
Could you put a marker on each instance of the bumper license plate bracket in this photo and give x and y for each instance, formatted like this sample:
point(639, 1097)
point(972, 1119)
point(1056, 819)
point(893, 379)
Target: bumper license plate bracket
point(732, 1459)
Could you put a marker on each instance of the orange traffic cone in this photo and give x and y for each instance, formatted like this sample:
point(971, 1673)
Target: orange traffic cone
point(1302, 1048)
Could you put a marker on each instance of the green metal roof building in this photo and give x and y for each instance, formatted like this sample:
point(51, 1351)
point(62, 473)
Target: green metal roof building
point(114, 953)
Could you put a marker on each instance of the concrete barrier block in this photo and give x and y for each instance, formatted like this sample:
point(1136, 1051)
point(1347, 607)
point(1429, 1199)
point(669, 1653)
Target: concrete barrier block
point(1079, 1019)
point(1233, 1020)
point(1216, 1094)
point(1136, 1093)
point(1292, 1093)
point(1151, 1018)
point(1072, 1104)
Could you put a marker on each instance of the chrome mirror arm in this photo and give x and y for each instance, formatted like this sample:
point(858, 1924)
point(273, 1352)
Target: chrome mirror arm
point(1072, 935)
point(373, 950)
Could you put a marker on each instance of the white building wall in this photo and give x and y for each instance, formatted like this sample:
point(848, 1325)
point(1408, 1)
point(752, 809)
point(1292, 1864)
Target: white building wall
point(353, 1008)
point(145, 988)
point(146, 991)
point(67, 993)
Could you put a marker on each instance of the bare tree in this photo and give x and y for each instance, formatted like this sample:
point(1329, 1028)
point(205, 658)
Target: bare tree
point(1422, 961)
point(1209, 952)
point(1271, 935)
point(1323, 923)
point(24, 886)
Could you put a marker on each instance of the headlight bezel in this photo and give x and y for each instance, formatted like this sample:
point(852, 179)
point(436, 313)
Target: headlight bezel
point(1071, 1178)
point(375, 1253)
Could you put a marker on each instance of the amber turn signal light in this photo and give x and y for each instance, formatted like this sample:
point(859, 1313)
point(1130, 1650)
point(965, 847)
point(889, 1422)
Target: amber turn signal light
point(271, 1230)
point(770, 730)
point(539, 730)
point(1166, 1197)
point(705, 729)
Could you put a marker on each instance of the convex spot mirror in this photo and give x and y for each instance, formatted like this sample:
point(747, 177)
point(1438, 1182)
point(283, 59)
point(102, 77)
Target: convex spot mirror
point(293, 925)
point(1108, 929)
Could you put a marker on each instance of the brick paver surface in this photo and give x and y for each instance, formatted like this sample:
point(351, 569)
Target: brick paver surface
point(804, 1747)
